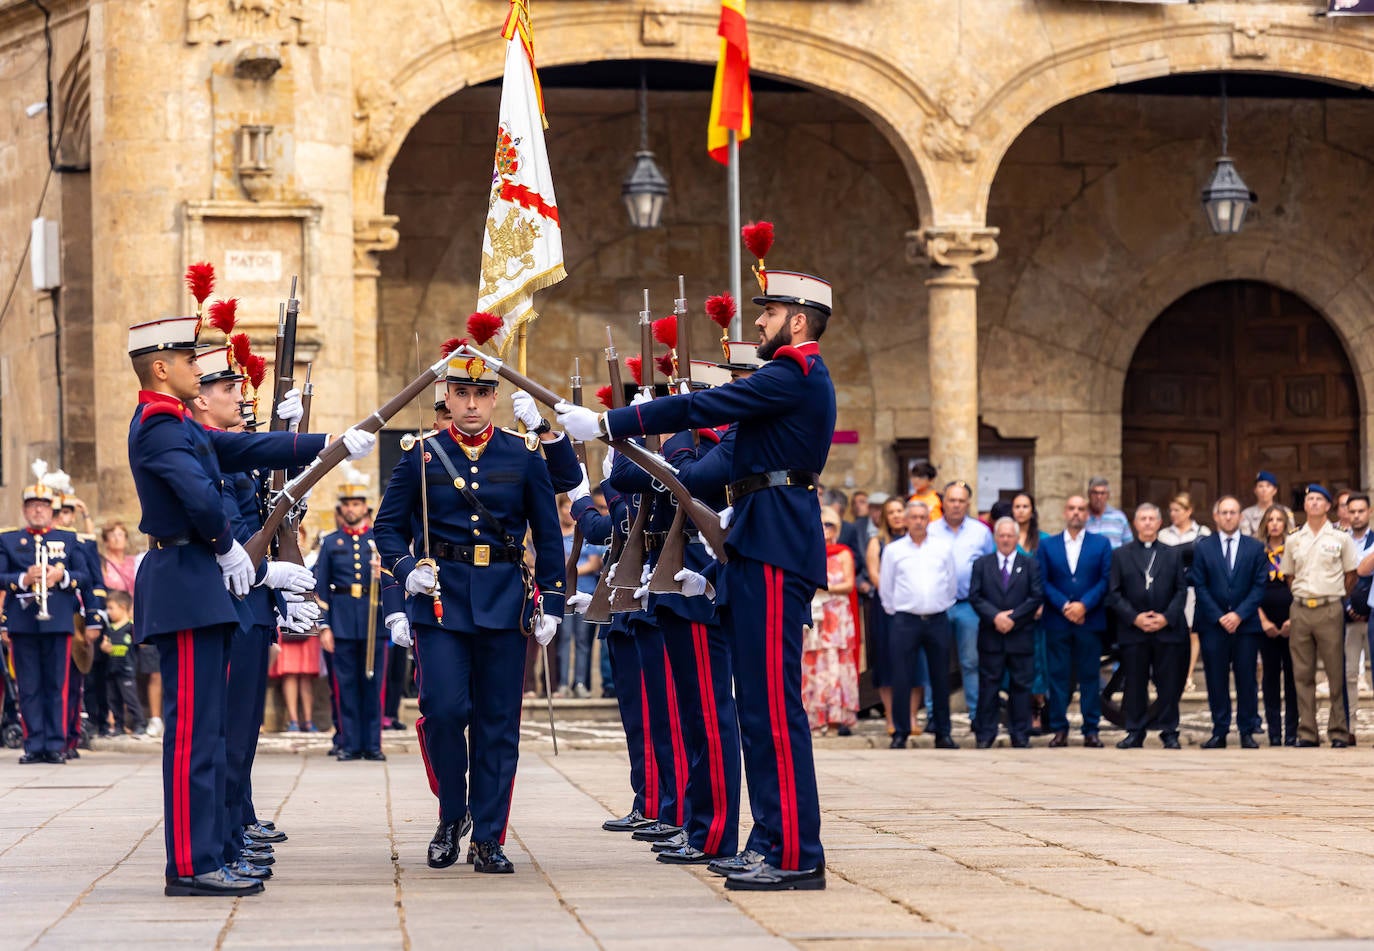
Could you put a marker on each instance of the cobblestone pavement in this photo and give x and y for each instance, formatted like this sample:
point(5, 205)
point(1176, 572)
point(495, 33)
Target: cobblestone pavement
point(1073, 848)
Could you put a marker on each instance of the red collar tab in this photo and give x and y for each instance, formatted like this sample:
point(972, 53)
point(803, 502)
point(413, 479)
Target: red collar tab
point(710, 435)
point(355, 532)
point(801, 353)
point(462, 438)
point(155, 403)
point(37, 531)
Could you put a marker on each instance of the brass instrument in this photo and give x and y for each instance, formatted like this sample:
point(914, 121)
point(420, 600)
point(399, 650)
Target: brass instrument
point(40, 587)
point(374, 597)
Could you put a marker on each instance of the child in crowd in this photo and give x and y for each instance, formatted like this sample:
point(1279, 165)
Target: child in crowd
point(118, 644)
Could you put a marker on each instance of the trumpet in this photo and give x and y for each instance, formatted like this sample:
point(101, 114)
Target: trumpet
point(40, 587)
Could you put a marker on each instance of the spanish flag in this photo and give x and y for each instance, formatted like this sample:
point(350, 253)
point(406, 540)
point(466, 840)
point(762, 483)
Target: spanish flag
point(732, 102)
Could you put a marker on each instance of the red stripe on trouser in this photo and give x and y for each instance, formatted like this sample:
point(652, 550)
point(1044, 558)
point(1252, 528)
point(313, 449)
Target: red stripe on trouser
point(424, 755)
point(777, 713)
point(650, 764)
point(679, 747)
point(66, 693)
point(714, 754)
point(181, 763)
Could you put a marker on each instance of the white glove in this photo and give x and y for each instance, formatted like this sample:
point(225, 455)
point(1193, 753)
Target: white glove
point(726, 514)
point(422, 580)
point(579, 602)
point(300, 617)
point(290, 408)
point(399, 627)
point(526, 410)
point(710, 552)
point(359, 443)
point(641, 397)
point(288, 577)
point(607, 463)
point(237, 570)
point(693, 584)
point(583, 489)
point(580, 423)
point(547, 628)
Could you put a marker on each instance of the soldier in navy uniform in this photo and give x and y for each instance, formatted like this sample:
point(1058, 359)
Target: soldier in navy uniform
point(187, 582)
point(486, 487)
point(92, 595)
point(786, 416)
point(42, 648)
point(343, 581)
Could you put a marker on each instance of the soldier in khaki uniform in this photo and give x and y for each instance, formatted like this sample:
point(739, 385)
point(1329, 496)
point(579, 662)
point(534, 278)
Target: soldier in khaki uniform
point(1321, 566)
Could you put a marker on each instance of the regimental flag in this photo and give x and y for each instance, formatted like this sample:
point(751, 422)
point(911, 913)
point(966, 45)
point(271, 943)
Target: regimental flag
point(732, 101)
point(522, 249)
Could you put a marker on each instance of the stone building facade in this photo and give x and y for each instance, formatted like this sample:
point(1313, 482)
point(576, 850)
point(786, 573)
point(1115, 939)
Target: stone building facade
point(1004, 193)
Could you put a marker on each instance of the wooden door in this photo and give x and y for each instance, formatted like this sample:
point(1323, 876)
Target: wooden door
point(1231, 379)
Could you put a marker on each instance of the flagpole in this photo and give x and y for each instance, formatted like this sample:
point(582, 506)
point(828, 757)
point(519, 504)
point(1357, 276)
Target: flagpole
point(734, 238)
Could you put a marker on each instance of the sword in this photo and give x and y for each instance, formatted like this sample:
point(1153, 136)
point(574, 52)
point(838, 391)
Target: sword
point(424, 506)
point(548, 696)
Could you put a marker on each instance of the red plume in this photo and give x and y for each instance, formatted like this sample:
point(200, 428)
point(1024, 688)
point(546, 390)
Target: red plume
point(241, 349)
point(665, 364)
point(721, 309)
point(200, 280)
point(257, 370)
point(483, 326)
point(452, 344)
point(604, 395)
point(636, 365)
point(665, 331)
point(758, 238)
point(223, 314)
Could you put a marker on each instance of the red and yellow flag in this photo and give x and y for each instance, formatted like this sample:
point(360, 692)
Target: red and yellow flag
point(732, 102)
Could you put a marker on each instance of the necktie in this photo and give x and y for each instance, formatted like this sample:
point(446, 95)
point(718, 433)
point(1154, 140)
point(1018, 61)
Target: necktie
point(1230, 565)
point(1006, 573)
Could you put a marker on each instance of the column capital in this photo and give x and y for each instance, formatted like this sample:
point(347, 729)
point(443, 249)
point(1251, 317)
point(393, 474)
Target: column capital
point(957, 250)
point(371, 235)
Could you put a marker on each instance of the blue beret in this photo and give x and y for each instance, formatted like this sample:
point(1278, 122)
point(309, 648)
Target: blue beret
point(1320, 490)
point(1266, 476)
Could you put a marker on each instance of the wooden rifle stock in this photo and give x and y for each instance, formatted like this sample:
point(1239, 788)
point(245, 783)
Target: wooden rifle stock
point(672, 558)
point(599, 610)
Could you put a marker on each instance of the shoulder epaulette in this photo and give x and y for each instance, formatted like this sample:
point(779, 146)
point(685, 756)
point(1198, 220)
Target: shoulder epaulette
point(162, 408)
point(85, 536)
point(409, 440)
point(531, 439)
point(794, 354)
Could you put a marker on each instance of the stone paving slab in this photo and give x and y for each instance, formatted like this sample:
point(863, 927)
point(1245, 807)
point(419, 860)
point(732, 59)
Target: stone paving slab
point(1074, 848)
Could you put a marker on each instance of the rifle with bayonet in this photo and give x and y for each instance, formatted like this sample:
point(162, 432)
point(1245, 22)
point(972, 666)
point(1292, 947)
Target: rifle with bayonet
point(673, 558)
point(599, 609)
point(575, 552)
point(630, 567)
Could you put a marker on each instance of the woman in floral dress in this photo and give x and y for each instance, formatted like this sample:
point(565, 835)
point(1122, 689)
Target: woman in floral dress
point(830, 682)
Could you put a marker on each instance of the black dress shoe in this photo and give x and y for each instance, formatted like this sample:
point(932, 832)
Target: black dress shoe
point(488, 857)
point(68, 754)
point(396, 725)
point(685, 856)
point(345, 756)
point(678, 841)
point(1092, 741)
point(1290, 741)
point(260, 833)
point(635, 820)
point(945, 742)
point(1020, 744)
point(443, 848)
point(1307, 744)
point(1339, 744)
point(375, 756)
point(766, 878)
point(736, 863)
point(29, 759)
point(1133, 741)
point(1170, 741)
point(1248, 742)
point(58, 759)
point(1060, 738)
point(898, 741)
point(259, 858)
point(655, 832)
point(1275, 741)
point(246, 869)
point(210, 884)
point(1215, 743)
point(983, 745)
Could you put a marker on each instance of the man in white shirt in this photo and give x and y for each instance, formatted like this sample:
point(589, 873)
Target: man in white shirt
point(918, 584)
point(970, 539)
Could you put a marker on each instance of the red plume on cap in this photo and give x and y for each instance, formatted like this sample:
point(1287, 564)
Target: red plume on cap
point(223, 314)
point(452, 344)
point(665, 331)
point(665, 365)
point(200, 280)
point(604, 395)
point(758, 238)
point(257, 370)
point(241, 349)
point(483, 326)
point(721, 309)
point(636, 365)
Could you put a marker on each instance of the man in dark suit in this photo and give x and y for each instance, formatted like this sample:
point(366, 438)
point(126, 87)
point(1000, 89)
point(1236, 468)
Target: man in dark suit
point(1074, 569)
point(1228, 574)
point(1005, 592)
point(1147, 592)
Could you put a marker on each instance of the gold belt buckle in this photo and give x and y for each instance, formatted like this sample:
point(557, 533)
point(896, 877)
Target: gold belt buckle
point(1311, 602)
point(355, 589)
point(481, 555)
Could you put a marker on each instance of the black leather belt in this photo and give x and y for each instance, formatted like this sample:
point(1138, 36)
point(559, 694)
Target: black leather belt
point(352, 590)
point(653, 541)
point(769, 480)
point(174, 542)
point(477, 555)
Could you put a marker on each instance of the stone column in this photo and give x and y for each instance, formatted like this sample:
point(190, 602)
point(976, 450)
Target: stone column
point(953, 345)
point(372, 234)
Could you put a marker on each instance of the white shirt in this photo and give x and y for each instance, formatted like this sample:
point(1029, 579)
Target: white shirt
point(1073, 547)
point(918, 579)
point(1233, 540)
point(1005, 563)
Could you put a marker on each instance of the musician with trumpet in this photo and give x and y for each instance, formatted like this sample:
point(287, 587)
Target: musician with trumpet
point(38, 563)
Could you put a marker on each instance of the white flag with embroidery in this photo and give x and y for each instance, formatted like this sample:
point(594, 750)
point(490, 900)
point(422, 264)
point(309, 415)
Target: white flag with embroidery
point(522, 249)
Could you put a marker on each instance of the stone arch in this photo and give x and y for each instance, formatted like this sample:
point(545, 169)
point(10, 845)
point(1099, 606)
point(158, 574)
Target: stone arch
point(1187, 43)
point(879, 90)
